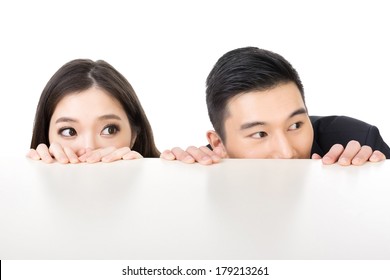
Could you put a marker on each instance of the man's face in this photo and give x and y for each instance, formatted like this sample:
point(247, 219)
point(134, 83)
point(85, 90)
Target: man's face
point(268, 124)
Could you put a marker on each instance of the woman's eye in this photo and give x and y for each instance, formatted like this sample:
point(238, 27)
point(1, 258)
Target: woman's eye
point(110, 130)
point(260, 134)
point(295, 126)
point(68, 132)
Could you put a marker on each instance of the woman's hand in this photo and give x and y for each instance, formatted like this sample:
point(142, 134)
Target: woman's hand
point(66, 155)
point(109, 154)
point(53, 153)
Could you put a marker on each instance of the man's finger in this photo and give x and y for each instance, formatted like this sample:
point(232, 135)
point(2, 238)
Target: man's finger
point(362, 156)
point(333, 155)
point(350, 151)
point(182, 155)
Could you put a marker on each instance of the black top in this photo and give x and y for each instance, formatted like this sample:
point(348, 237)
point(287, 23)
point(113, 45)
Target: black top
point(340, 130)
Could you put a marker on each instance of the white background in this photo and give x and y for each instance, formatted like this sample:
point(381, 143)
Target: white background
point(167, 48)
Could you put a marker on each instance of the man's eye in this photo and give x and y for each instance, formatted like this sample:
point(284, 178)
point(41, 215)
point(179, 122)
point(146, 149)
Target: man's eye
point(67, 132)
point(295, 126)
point(260, 134)
point(110, 130)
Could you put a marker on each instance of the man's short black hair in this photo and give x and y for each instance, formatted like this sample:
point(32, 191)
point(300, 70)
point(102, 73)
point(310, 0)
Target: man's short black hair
point(243, 70)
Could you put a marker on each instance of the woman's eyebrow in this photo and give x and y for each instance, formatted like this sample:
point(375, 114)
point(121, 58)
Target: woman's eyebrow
point(103, 117)
point(110, 117)
point(65, 119)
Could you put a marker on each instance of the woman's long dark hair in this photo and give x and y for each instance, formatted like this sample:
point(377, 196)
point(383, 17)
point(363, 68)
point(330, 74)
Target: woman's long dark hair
point(81, 74)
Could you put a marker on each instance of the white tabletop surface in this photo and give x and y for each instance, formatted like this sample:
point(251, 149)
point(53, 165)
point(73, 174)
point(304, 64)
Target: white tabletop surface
point(155, 209)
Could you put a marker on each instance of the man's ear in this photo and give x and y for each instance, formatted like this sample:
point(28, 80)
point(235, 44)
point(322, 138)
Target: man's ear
point(216, 142)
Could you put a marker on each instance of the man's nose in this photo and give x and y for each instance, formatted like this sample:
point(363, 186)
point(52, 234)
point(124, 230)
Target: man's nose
point(282, 148)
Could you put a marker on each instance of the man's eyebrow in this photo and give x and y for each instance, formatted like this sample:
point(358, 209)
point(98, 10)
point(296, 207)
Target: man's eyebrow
point(298, 112)
point(256, 123)
point(251, 124)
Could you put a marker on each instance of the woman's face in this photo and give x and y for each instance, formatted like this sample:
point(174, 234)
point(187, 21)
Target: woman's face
point(90, 119)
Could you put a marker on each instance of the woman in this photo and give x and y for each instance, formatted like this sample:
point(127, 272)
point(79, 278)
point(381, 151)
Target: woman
point(89, 112)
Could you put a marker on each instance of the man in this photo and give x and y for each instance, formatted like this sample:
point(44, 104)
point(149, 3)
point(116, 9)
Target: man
point(256, 104)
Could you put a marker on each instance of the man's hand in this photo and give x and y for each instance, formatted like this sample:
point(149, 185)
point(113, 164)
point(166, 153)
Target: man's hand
point(352, 154)
point(202, 155)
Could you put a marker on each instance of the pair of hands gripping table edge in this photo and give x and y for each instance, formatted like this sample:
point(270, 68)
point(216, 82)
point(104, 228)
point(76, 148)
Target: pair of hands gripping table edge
point(66, 155)
point(352, 154)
